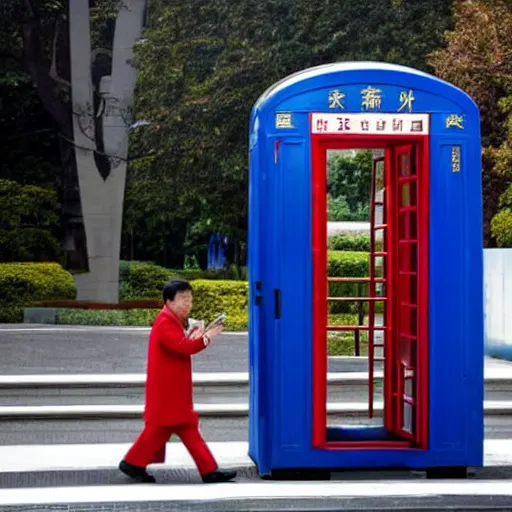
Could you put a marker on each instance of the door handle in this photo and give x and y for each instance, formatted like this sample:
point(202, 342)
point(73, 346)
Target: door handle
point(277, 303)
point(258, 300)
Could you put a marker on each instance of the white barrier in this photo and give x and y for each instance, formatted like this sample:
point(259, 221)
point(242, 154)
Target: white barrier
point(498, 302)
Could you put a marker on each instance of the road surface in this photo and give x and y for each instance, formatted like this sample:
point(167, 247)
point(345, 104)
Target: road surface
point(30, 350)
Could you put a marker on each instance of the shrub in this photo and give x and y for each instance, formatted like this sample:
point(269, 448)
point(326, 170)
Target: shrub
point(145, 280)
point(128, 317)
point(24, 284)
point(214, 297)
point(28, 215)
point(76, 304)
point(142, 280)
point(347, 264)
point(210, 299)
point(501, 228)
point(11, 314)
point(360, 243)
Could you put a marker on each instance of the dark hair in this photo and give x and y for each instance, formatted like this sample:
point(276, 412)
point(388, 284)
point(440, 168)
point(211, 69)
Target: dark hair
point(173, 287)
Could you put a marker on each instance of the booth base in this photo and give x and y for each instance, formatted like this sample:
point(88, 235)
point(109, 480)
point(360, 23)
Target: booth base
point(313, 474)
point(356, 433)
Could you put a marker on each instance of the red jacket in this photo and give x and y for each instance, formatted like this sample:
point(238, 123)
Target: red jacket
point(169, 372)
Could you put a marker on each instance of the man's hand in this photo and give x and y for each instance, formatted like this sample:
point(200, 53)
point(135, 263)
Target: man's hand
point(215, 330)
point(197, 331)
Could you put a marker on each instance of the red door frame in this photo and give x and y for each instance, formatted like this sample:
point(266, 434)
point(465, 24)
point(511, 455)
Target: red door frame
point(320, 143)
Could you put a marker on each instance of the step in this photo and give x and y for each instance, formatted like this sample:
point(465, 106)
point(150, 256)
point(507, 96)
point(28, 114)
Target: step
point(266, 496)
point(209, 388)
point(113, 430)
point(62, 475)
point(334, 410)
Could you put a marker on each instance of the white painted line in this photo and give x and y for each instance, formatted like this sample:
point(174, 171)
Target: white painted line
point(124, 379)
point(492, 375)
point(491, 408)
point(245, 491)
point(110, 411)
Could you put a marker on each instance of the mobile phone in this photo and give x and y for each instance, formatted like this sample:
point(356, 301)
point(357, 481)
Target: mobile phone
point(219, 320)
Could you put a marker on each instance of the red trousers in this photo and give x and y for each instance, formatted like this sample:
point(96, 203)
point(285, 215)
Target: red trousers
point(149, 448)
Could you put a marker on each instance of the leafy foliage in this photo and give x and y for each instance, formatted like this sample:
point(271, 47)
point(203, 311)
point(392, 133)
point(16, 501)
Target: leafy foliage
point(145, 280)
point(202, 65)
point(214, 297)
point(348, 186)
point(132, 317)
point(346, 264)
point(360, 243)
point(23, 284)
point(27, 216)
point(480, 62)
point(501, 226)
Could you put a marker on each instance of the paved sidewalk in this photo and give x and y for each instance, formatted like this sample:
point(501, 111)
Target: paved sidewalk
point(328, 496)
point(79, 459)
point(51, 478)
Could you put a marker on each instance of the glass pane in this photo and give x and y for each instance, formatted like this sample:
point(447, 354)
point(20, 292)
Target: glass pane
point(405, 164)
point(405, 194)
point(408, 413)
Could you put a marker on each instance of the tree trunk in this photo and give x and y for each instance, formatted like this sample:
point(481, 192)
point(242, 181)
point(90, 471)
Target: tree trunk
point(102, 199)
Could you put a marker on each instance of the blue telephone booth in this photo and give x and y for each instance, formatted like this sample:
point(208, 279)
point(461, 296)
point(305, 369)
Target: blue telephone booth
point(423, 289)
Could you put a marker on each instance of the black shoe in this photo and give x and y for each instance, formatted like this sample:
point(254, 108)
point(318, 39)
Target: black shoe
point(136, 472)
point(218, 476)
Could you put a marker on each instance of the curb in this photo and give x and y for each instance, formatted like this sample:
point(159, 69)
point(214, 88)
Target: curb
point(107, 476)
point(325, 496)
point(491, 408)
point(493, 376)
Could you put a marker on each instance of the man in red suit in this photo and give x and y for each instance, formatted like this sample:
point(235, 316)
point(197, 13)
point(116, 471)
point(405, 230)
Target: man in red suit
point(169, 407)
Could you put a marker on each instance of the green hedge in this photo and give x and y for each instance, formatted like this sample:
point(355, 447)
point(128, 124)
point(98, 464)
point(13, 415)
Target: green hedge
point(145, 280)
point(141, 280)
point(214, 297)
point(123, 317)
point(347, 264)
point(344, 242)
point(210, 299)
point(23, 284)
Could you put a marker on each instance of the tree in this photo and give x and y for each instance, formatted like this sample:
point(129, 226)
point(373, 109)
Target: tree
point(28, 214)
point(85, 81)
point(348, 181)
point(101, 149)
point(480, 62)
point(501, 223)
point(201, 68)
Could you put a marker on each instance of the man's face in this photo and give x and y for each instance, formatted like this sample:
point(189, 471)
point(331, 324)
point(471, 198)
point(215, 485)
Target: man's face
point(182, 304)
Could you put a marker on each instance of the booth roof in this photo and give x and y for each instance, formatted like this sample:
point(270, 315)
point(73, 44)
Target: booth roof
point(335, 67)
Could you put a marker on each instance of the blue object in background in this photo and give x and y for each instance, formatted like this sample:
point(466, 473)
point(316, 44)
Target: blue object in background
point(217, 252)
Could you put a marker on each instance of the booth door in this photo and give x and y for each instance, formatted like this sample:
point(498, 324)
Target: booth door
point(404, 341)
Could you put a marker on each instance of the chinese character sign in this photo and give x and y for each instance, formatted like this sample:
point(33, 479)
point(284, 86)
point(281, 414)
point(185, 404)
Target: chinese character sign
point(371, 124)
point(456, 159)
point(284, 120)
point(372, 98)
point(455, 121)
point(406, 101)
point(336, 99)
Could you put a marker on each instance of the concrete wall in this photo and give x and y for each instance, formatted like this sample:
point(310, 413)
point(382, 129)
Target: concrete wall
point(498, 302)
